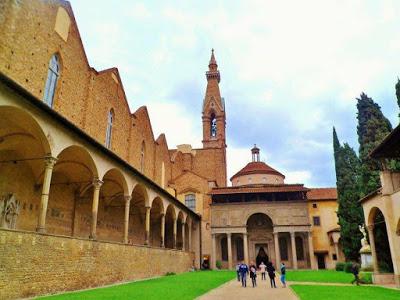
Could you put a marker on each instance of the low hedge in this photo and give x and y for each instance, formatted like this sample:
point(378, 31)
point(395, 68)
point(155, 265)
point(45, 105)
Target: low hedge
point(340, 266)
point(366, 277)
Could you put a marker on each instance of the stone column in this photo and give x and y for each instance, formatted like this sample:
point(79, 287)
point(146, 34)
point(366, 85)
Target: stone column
point(147, 231)
point(214, 253)
point(229, 242)
point(337, 251)
point(126, 219)
point(294, 254)
point(183, 236)
point(162, 231)
point(44, 199)
point(277, 251)
point(174, 237)
point(311, 251)
point(373, 249)
point(189, 245)
point(245, 249)
point(95, 206)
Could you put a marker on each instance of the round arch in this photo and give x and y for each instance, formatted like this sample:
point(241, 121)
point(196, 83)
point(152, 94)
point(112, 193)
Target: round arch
point(138, 206)
point(23, 147)
point(377, 220)
point(156, 213)
point(170, 219)
point(257, 211)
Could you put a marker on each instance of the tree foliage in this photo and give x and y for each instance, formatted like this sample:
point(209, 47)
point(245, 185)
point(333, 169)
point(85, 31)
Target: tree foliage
point(372, 128)
point(350, 214)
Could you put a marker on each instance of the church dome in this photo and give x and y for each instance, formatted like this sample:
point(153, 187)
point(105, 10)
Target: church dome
point(257, 172)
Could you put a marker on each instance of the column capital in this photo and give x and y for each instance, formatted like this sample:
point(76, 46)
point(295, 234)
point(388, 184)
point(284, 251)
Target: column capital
point(370, 227)
point(50, 161)
point(97, 183)
point(127, 198)
point(229, 234)
point(275, 233)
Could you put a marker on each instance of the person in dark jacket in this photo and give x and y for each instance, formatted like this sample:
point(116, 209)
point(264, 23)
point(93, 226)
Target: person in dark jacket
point(253, 274)
point(237, 271)
point(355, 271)
point(271, 274)
point(243, 270)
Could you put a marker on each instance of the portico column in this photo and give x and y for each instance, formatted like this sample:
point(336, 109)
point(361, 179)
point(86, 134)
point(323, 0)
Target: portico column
point(126, 219)
point(277, 251)
point(183, 236)
point(337, 250)
point(95, 206)
point(373, 249)
point(174, 238)
point(189, 245)
point(147, 232)
point(162, 231)
point(245, 249)
point(311, 251)
point(44, 199)
point(214, 258)
point(294, 254)
point(229, 241)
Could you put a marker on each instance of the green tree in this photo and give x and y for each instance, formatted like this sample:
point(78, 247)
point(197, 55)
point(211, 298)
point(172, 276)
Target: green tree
point(372, 127)
point(350, 213)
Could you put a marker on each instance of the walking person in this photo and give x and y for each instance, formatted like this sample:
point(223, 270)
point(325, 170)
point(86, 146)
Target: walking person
point(243, 270)
point(253, 274)
point(271, 274)
point(283, 274)
point(262, 270)
point(355, 271)
point(237, 271)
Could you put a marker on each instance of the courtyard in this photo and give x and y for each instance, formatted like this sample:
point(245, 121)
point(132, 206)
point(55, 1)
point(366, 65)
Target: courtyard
point(212, 285)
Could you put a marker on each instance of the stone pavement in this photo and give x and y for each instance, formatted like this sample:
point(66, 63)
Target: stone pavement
point(233, 290)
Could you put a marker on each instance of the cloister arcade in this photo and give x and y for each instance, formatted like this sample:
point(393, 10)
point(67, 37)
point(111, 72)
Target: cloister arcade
point(63, 183)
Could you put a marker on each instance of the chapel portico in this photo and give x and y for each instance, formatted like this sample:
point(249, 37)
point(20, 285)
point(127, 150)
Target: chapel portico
point(261, 219)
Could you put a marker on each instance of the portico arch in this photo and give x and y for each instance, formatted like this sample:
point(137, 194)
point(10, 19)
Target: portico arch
point(137, 226)
point(261, 242)
point(170, 219)
point(179, 231)
point(377, 221)
point(23, 148)
point(156, 217)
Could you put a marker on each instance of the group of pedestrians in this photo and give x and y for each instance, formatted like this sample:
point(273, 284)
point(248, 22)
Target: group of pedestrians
point(243, 270)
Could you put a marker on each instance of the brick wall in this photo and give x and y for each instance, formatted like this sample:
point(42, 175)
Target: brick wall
point(36, 264)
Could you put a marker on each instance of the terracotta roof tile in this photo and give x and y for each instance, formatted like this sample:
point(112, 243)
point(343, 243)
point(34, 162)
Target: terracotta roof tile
point(322, 194)
point(257, 167)
point(266, 188)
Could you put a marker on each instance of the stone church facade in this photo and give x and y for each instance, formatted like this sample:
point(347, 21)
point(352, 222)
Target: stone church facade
point(82, 176)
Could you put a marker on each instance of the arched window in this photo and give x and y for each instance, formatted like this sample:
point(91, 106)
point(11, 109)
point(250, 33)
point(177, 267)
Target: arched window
point(142, 150)
point(283, 249)
point(224, 249)
point(299, 248)
point(239, 249)
point(213, 125)
point(190, 201)
point(110, 121)
point(51, 83)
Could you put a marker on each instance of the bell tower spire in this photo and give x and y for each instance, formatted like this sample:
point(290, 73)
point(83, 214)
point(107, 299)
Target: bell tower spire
point(213, 114)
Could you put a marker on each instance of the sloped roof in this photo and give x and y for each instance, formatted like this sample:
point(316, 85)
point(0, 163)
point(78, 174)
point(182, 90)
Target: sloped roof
point(322, 194)
point(262, 188)
point(257, 167)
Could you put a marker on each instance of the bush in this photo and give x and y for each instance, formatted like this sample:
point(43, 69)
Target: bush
point(340, 266)
point(367, 269)
point(218, 264)
point(170, 273)
point(366, 277)
point(348, 266)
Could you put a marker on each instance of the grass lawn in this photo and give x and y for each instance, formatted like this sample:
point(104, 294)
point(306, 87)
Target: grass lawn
point(320, 292)
point(319, 276)
point(183, 286)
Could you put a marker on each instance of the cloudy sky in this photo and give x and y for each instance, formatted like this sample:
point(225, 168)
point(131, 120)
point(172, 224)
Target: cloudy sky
point(290, 70)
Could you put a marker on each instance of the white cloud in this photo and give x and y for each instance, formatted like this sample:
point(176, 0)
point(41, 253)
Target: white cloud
point(297, 176)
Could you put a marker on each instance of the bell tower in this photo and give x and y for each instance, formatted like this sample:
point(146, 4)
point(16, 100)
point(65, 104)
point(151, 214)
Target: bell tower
point(213, 115)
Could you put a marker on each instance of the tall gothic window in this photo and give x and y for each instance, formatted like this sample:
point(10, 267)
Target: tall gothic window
point(224, 249)
point(213, 125)
point(110, 121)
point(51, 83)
point(299, 248)
point(283, 248)
point(190, 201)
point(142, 150)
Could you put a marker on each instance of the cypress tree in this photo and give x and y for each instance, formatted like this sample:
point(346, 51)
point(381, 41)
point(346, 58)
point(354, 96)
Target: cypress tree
point(372, 128)
point(397, 87)
point(350, 212)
